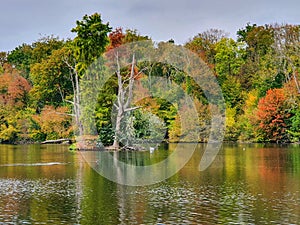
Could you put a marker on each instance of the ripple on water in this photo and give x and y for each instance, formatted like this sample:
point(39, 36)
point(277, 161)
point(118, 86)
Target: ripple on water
point(227, 203)
point(17, 195)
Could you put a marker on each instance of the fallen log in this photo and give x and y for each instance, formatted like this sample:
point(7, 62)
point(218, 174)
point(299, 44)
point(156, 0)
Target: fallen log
point(58, 141)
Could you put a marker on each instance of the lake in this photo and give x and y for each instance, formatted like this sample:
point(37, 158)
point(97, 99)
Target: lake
point(246, 184)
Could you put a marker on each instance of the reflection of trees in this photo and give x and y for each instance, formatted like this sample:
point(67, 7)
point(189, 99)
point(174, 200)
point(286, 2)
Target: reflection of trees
point(32, 192)
point(238, 187)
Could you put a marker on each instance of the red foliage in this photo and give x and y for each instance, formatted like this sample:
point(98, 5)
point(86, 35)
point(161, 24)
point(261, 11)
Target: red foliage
point(270, 115)
point(116, 38)
point(13, 89)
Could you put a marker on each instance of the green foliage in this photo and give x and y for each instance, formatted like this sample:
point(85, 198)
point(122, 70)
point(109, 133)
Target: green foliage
point(133, 36)
point(103, 111)
point(258, 75)
point(228, 58)
point(51, 79)
point(26, 55)
point(20, 57)
point(294, 130)
point(204, 44)
point(44, 47)
point(232, 91)
point(147, 126)
point(91, 40)
point(271, 83)
point(259, 40)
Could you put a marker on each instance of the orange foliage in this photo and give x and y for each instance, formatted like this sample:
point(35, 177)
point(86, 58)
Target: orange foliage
point(116, 38)
point(56, 123)
point(270, 115)
point(13, 89)
point(290, 88)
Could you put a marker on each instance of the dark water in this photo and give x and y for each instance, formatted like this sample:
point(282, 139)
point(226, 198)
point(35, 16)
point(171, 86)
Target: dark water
point(246, 184)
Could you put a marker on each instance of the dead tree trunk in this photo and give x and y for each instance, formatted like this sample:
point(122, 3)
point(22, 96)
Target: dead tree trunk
point(76, 96)
point(124, 98)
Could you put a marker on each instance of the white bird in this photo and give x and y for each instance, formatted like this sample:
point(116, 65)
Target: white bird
point(152, 149)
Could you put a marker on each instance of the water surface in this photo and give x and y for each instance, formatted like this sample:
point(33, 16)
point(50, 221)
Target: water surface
point(246, 184)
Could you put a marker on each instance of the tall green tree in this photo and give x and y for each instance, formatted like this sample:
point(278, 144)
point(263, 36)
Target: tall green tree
point(90, 41)
point(51, 80)
point(89, 44)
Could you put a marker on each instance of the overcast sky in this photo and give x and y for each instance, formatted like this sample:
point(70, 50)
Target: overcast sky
point(24, 21)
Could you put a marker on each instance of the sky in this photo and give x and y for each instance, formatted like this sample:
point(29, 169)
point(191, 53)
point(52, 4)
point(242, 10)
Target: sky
point(25, 21)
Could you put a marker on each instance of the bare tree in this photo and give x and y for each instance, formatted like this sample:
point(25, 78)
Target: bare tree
point(74, 77)
point(287, 47)
point(124, 97)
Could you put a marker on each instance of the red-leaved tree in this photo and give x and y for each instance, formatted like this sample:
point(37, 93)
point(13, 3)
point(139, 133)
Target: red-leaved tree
point(13, 89)
point(271, 116)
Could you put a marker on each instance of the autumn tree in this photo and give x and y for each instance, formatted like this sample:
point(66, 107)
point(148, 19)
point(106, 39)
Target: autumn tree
point(271, 116)
point(13, 89)
point(204, 44)
point(116, 38)
point(13, 100)
point(133, 35)
point(53, 123)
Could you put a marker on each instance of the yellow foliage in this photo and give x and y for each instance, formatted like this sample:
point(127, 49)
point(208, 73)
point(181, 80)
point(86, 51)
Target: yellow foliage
point(55, 123)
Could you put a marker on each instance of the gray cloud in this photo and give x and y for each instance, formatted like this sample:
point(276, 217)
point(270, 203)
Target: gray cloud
point(23, 21)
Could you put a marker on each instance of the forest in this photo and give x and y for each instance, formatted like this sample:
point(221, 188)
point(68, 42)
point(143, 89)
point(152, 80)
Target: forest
point(258, 72)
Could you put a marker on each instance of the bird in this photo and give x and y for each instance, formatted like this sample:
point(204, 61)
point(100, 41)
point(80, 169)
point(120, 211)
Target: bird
point(152, 149)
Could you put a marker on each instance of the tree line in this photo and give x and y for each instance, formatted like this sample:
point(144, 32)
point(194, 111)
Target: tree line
point(258, 74)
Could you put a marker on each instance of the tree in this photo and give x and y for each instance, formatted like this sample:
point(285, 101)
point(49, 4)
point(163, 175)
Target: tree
point(133, 36)
point(271, 116)
point(88, 45)
point(3, 58)
point(44, 47)
point(116, 38)
point(228, 63)
point(247, 121)
point(259, 40)
point(90, 41)
point(228, 58)
point(25, 56)
point(124, 98)
point(204, 44)
point(13, 100)
point(287, 48)
point(53, 123)
point(51, 79)
point(13, 90)
point(258, 56)
point(20, 57)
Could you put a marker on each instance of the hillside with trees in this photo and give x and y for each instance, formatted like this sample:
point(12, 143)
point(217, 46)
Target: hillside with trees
point(258, 74)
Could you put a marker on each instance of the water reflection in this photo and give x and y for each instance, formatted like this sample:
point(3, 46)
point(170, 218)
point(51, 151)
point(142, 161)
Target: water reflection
point(250, 184)
point(140, 168)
